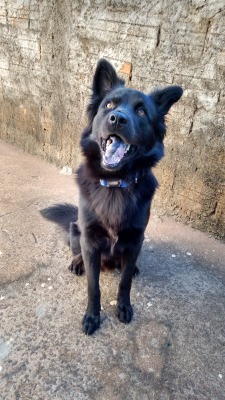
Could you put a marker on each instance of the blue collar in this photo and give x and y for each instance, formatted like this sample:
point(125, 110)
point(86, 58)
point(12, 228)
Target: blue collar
point(117, 183)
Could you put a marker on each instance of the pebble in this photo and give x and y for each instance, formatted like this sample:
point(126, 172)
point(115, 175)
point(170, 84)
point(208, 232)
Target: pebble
point(113, 303)
point(42, 309)
point(154, 343)
point(66, 171)
point(5, 349)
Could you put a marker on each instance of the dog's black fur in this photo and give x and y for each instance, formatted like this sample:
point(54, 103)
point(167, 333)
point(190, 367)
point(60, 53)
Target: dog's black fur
point(123, 140)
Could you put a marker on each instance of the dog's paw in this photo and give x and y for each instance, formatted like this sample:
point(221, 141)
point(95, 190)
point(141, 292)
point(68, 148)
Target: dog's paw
point(90, 323)
point(136, 271)
point(77, 268)
point(124, 313)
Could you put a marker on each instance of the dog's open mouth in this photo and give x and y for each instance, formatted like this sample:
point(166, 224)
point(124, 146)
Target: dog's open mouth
point(114, 150)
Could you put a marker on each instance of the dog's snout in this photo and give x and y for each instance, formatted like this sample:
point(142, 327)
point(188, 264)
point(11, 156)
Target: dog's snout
point(117, 119)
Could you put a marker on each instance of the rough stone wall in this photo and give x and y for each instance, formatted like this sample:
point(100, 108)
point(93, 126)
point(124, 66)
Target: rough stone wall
point(48, 52)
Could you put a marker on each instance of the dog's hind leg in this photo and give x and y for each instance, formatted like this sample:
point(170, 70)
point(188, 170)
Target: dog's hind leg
point(77, 265)
point(136, 271)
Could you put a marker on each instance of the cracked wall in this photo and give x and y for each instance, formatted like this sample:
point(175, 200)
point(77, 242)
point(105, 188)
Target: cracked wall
point(48, 52)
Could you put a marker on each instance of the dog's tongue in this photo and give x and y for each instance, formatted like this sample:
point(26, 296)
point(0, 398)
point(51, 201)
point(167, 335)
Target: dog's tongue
point(115, 150)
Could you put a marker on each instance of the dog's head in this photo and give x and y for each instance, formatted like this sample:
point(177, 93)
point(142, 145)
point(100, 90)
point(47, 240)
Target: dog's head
point(126, 127)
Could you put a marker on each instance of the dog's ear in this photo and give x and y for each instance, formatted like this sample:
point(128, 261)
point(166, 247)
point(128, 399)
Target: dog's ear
point(105, 78)
point(165, 98)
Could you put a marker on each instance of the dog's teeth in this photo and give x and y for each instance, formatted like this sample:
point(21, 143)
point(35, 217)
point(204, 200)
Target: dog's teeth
point(127, 148)
point(109, 141)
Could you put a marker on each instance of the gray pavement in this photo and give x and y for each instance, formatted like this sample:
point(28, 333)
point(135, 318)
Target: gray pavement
point(173, 349)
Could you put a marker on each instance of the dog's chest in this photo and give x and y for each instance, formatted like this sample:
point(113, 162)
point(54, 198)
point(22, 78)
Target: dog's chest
point(113, 208)
point(113, 236)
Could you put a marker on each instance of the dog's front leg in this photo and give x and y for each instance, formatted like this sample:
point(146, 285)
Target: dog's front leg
point(124, 309)
point(91, 319)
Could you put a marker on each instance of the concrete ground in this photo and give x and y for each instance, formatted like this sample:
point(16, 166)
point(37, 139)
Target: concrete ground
point(174, 348)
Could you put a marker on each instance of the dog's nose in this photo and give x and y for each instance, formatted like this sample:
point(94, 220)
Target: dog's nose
point(117, 119)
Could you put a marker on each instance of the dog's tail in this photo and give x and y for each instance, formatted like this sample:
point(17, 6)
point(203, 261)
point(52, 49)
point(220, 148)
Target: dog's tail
point(61, 214)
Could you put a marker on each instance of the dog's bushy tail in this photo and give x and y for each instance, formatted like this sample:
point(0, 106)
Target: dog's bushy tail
point(61, 214)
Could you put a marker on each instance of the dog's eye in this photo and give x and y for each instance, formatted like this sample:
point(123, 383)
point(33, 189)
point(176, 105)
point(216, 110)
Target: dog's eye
point(109, 105)
point(141, 112)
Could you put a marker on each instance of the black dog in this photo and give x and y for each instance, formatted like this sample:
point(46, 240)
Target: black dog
point(123, 140)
